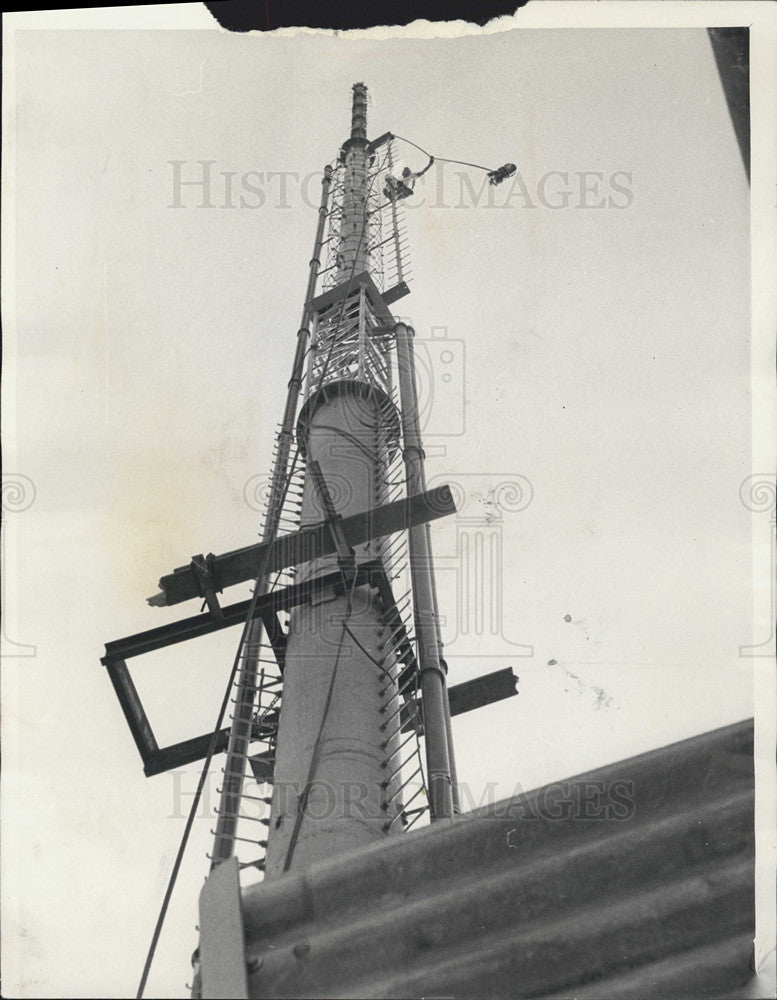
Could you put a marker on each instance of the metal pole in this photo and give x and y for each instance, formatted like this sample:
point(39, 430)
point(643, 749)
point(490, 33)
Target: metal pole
point(421, 485)
point(436, 707)
point(353, 247)
point(242, 719)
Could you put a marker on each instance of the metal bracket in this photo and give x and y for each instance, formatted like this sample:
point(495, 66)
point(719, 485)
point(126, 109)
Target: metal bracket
point(158, 759)
point(467, 696)
point(203, 568)
point(346, 558)
point(380, 141)
point(338, 292)
point(203, 576)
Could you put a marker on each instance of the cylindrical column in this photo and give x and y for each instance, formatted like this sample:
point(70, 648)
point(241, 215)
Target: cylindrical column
point(433, 684)
point(359, 112)
point(333, 784)
point(354, 243)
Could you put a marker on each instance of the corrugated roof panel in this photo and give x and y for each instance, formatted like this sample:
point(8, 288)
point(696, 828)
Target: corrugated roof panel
point(635, 881)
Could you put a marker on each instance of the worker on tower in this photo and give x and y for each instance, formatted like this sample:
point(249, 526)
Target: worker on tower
point(397, 188)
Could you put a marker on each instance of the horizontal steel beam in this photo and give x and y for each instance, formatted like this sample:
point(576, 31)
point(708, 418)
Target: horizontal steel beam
point(482, 691)
point(267, 606)
point(397, 291)
point(244, 564)
point(463, 697)
point(494, 687)
point(469, 695)
point(338, 292)
point(168, 635)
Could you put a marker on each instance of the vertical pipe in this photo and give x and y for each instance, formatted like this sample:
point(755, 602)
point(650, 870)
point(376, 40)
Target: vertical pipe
point(309, 374)
point(433, 685)
point(448, 729)
point(242, 718)
point(362, 369)
point(428, 529)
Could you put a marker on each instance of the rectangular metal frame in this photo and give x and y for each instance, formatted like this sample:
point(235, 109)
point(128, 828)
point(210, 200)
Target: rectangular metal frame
point(157, 759)
point(463, 697)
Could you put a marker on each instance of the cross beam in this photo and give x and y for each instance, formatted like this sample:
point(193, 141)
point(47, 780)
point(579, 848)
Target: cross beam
point(244, 564)
point(267, 605)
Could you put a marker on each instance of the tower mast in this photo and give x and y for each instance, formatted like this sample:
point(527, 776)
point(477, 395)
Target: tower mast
point(336, 785)
point(341, 695)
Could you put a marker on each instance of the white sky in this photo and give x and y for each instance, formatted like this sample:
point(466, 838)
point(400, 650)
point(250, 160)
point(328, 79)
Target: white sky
point(607, 361)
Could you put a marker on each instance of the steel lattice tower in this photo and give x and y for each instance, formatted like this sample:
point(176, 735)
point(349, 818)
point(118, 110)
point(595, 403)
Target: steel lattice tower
point(337, 772)
point(339, 673)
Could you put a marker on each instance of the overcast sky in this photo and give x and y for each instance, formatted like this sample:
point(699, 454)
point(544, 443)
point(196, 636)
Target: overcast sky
point(604, 359)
